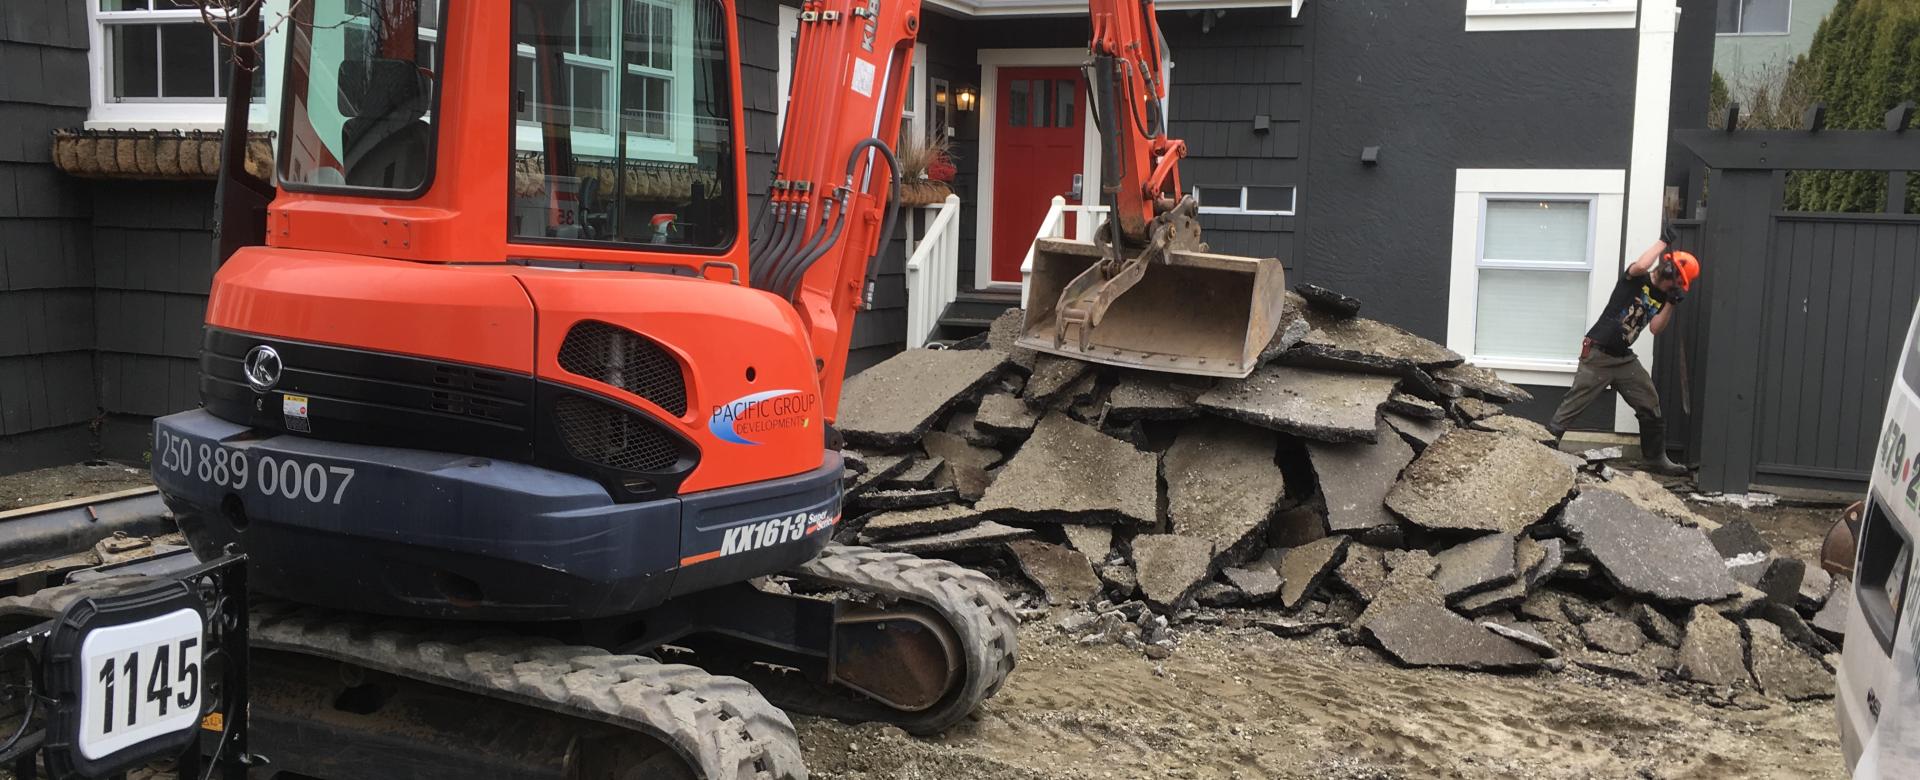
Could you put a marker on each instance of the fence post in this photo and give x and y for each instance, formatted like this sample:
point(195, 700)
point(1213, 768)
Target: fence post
point(1738, 230)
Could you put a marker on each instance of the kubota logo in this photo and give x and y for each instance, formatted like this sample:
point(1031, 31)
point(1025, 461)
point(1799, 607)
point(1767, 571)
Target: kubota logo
point(758, 413)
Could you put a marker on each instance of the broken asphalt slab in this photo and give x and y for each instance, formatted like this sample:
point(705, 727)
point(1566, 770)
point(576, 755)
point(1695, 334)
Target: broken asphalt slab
point(1479, 481)
point(1644, 554)
point(1303, 568)
point(1315, 404)
point(1170, 568)
point(1780, 668)
point(1364, 572)
point(1815, 585)
point(1482, 382)
point(1515, 426)
point(894, 403)
point(1359, 344)
point(1328, 302)
point(1223, 485)
point(1259, 582)
point(1093, 541)
point(982, 535)
point(1613, 634)
point(1142, 395)
point(1478, 565)
point(1429, 635)
point(1712, 652)
point(1004, 334)
point(1355, 479)
point(967, 463)
point(1831, 620)
point(1005, 417)
point(908, 523)
point(1474, 409)
point(1063, 574)
point(1071, 472)
point(1053, 377)
point(878, 500)
point(1414, 406)
point(1417, 433)
point(1654, 497)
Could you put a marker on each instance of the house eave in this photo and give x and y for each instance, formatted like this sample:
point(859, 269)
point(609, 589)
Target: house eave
point(1010, 8)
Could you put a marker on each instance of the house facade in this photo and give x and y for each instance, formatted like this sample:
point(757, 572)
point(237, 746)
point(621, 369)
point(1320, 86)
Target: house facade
point(1476, 171)
point(1755, 40)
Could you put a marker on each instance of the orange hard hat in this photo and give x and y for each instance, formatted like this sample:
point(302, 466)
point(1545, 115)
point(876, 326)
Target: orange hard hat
point(1685, 266)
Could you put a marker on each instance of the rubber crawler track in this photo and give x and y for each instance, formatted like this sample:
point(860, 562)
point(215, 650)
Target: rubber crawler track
point(721, 726)
point(969, 601)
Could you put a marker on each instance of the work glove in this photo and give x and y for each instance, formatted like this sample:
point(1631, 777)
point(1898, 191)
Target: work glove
point(1666, 234)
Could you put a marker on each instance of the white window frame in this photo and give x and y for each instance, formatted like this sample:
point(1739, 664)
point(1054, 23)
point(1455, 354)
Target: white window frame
point(1604, 189)
point(677, 146)
point(1742, 23)
point(1496, 16)
point(105, 112)
point(1293, 201)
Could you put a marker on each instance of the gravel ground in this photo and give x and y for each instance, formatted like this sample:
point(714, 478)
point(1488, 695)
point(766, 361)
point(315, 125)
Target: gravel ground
point(63, 482)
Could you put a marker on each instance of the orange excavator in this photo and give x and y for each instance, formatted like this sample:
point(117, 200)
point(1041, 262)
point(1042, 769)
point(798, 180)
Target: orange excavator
point(527, 434)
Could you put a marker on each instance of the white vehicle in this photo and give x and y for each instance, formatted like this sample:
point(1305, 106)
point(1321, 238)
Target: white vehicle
point(1878, 690)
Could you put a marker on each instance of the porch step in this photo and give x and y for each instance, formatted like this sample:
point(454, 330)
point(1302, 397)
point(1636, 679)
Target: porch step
point(973, 312)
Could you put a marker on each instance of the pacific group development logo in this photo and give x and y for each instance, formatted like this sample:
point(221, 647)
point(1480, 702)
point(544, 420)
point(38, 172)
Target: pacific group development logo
point(758, 413)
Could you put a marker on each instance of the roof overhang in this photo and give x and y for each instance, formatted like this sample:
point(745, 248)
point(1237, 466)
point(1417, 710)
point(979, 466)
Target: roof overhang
point(1000, 8)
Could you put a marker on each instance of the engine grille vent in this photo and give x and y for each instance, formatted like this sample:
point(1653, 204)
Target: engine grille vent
point(602, 433)
point(626, 360)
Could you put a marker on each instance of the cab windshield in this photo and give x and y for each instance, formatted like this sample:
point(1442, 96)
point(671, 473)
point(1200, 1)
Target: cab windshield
point(622, 123)
point(360, 83)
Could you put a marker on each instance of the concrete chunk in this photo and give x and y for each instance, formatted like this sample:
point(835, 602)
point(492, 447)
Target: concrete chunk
point(1071, 472)
point(1063, 575)
point(967, 463)
point(1144, 395)
point(1479, 481)
point(1361, 344)
point(1260, 582)
point(1482, 564)
point(1223, 484)
point(1483, 383)
point(981, 535)
point(892, 404)
point(1426, 635)
point(1005, 418)
point(1355, 479)
point(1302, 568)
point(1712, 652)
point(1364, 572)
point(1515, 426)
point(906, 523)
point(1053, 376)
point(1093, 541)
point(1613, 634)
point(1782, 669)
point(1170, 567)
point(1314, 404)
point(1644, 554)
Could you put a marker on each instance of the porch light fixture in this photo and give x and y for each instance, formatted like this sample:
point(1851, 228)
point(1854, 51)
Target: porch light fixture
point(966, 98)
point(939, 92)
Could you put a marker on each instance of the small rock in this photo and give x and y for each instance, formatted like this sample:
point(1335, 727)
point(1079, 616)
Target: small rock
point(1482, 382)
point(1603, 454)
point(1486, 602)
point(1543, 605)
point(1147, 395)
point(1053, 376)
point(1121, 578)
point(907, 523)
point(1297, 526)
point(1414, 407)
point(1746, 602)
point(1552, 556)
point(1781, 580)
point(1158, 651)
point(1078, 622)
point(1474, 409)
point(1739, 539)
point(1796, 629)
point(1218, 594)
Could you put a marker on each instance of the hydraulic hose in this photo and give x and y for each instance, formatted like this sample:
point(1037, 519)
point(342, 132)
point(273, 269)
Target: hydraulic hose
point(832, 211)
point(886, 225)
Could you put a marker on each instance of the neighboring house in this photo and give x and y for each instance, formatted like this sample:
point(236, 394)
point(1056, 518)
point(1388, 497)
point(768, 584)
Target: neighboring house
point(1517, 157)
point(1757, 39)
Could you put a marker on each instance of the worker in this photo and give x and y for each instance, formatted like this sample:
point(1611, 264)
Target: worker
point(1643, 299)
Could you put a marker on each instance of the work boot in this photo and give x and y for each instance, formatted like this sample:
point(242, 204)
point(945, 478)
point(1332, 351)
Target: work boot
point(1653, 449)
point(1558, 432)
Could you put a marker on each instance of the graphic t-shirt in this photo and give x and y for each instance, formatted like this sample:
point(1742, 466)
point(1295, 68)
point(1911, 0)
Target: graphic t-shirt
point(1633, 304)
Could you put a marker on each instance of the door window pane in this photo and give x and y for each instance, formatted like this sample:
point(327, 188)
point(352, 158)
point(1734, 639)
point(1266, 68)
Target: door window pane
point(1538, 314)
point(1017, 103)
point(1536, 230)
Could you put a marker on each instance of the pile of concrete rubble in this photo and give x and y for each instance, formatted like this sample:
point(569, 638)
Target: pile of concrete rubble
point(1363, 481)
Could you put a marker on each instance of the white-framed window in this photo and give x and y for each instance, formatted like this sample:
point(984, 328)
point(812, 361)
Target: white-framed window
point(1535, 254)
point(1255, 199)
point(154, 60)
point(1754, 17)
point(623, 68)
point(1498, 15)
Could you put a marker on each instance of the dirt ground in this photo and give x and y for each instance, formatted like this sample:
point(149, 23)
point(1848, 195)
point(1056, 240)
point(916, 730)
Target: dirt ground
point(63, 482)
point(1248, 704)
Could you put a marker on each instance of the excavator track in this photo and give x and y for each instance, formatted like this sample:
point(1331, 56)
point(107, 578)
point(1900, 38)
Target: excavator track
point(970, 603)
point(719, 727)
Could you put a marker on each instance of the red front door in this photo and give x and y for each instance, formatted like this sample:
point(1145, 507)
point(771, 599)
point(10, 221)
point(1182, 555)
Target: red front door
point(1037, 146)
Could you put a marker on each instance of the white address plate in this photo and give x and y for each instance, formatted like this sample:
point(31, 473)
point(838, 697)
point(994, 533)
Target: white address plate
point(139, 681)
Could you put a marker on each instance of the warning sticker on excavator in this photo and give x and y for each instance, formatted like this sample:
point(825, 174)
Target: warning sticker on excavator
point(863, 77)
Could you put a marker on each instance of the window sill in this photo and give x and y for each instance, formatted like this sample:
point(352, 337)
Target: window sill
point(185, 117)
point(1613, 16)
point(1752, 35)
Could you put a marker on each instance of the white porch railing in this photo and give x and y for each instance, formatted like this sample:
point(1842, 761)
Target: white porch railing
point(1085, 218)
point(933, 269)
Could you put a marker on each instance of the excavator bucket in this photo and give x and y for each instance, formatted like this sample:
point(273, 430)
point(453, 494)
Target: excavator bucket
point(1189, 313)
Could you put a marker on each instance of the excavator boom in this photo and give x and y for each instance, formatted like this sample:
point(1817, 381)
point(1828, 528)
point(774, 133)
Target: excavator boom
point(1145, 293)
